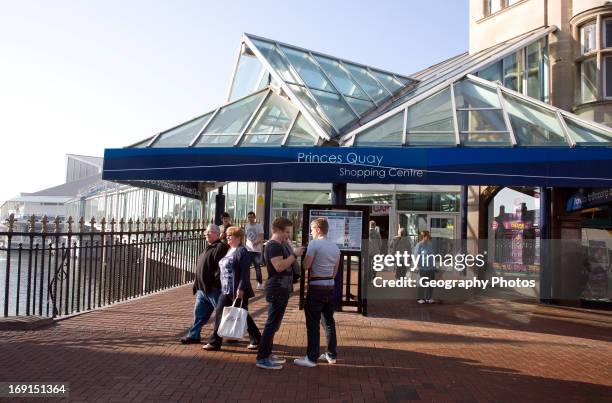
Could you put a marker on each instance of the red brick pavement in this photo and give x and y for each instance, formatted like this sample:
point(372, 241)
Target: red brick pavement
point(484, 351)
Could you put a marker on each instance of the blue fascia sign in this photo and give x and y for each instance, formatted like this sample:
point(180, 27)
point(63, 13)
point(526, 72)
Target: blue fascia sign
point(519, 166)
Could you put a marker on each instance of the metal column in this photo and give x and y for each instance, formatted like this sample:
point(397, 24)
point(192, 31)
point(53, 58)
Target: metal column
point(267, 209)
point(545, 266)
point(219, 205)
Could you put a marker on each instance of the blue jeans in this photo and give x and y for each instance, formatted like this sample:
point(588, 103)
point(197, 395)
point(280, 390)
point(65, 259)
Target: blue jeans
point(277, 304)
point(427, 291)
point(320, 300)
point(205, 304)
point(256, 259)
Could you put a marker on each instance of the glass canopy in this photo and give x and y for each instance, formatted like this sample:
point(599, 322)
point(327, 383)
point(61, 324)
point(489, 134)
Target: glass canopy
point(261, 119)
point(476, 112)
point(336, 92)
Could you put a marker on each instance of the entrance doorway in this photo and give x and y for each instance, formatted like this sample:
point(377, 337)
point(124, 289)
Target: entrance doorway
point(443, 227)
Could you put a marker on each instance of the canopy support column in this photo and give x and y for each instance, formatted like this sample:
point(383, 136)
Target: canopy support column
point(267, 209)
point(338, 194)
point(219, 205)
point(545, 267)
point(464, 218)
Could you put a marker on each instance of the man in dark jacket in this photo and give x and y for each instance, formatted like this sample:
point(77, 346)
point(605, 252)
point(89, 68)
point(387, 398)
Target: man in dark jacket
point(207, 285)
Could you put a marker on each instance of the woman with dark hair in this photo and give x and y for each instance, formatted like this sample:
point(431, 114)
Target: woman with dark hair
point(235, 274)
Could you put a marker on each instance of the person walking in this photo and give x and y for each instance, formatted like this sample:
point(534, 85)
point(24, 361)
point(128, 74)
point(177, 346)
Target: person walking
point(424, 252)
point(254, 243)
point(226, 222)
point(401, 244)
point(235, 275)
point(322, 260)
point(278, 286)
point(207, 285)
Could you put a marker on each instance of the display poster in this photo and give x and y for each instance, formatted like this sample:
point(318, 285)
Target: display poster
point(345, 227)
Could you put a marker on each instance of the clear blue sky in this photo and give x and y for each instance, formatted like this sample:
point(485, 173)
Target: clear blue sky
point(81, 76)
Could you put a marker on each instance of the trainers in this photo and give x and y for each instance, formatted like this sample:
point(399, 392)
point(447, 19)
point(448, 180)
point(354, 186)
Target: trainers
point(189, 340)
point(328, 358)
point(211, 347)
point(260, 286)
point(267, 364)
point(276, 359)
point(304, 362)
point(252, 346)
point(430, 301)
point(421, 301)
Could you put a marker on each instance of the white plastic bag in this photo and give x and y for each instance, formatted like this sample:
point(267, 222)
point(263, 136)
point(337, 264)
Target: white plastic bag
point(233, 322)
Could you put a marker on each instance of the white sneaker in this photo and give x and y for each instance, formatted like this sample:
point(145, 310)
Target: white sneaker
point(421, 301)
point(328, 358)
point(304, 362)
point(260, 286)
point(430, 301)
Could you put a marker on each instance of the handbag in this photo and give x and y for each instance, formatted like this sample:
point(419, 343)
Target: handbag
point(233, 322)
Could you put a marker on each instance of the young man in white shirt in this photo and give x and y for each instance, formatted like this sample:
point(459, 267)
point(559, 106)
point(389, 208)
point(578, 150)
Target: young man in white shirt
point(254, 243)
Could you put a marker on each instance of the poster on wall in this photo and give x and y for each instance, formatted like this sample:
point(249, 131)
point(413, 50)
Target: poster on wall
point(345, 227)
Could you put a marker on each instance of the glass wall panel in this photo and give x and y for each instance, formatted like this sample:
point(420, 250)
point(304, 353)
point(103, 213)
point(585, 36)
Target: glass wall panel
point(389, 132)
point(588, 79)
point(233, 117)
point(469, 94)
point(262, 140)
point(217, 140)
point(249, 75)
point(428, 201)
point(532, 124)
point(312, 107)
point(607, 33)
point(492, 73)
point(430, 121)
point(534, 70)
point(513, 71)
point(587, 135)
point(359, 105)
point(183, 135)
point(367, 82)
point(143, 143)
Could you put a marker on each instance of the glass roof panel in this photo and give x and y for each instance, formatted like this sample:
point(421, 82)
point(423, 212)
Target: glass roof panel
point(249, 74)
point(389, 132)
point(233, 117)
point(360, 105)
point(365, 80)
point(222, 140)
point(430, 121)
point(142, 144)
point(334, 107)
point(388, 81)
point(302, 134)
point(586, 135)
point(532, 124)
point(308, 71)
point(253, 140)
point(469, 94)
point(183, 135)
point(341, 78)
point(312, 106)
point(273, 56)
point(274, 117)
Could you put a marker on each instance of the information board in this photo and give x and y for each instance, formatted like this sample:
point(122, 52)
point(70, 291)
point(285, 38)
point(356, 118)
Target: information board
point(345, 227)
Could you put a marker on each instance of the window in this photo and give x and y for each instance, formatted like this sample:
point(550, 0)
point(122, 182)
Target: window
point(513, 71)
point(608, 76)
point(493, 6)
point(588, 34)
point(608, 33)
point(588, 80)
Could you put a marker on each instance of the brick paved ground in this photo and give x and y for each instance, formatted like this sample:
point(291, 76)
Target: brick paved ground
point(470, 352)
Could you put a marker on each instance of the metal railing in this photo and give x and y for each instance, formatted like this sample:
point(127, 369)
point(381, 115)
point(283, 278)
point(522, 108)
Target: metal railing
point(57, 271)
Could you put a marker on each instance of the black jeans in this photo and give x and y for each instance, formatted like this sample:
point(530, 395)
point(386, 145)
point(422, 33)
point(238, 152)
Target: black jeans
point(228, 300)
point(426, 292)
point(320, 300)
point(277, 304)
